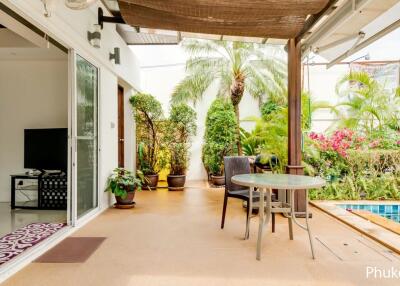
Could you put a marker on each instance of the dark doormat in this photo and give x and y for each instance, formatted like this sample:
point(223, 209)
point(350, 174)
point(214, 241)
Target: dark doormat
point(72, 250)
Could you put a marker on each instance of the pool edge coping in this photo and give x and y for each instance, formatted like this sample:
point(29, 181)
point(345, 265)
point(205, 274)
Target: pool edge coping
point(322, 205)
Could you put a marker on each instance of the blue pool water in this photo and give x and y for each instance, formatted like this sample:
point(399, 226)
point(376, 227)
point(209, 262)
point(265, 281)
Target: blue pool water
point(387, 211)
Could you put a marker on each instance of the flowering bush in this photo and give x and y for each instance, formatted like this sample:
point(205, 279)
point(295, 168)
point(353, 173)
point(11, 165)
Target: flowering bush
point(355, 166)
point(344, 139)
point(340, 141)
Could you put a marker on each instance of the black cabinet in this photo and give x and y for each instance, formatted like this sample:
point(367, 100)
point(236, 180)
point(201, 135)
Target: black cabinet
point(51, 191)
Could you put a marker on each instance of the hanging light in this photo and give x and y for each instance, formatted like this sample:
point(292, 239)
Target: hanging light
point(79, 4)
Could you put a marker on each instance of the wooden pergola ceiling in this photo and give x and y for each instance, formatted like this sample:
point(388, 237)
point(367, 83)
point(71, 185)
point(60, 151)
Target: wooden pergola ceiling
point(281, 19)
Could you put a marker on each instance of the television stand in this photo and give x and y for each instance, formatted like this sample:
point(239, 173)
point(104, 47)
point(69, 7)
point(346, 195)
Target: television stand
point(51, 190)
point(35, 172)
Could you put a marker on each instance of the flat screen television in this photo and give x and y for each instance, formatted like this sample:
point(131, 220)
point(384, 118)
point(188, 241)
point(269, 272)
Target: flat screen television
point(46, 149)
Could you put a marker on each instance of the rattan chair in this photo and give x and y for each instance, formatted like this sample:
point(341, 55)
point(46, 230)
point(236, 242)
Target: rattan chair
point(237, 165)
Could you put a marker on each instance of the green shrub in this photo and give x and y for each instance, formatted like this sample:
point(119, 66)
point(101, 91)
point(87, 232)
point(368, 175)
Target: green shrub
point(180, 127)
point(149, 132)
point(219, 136)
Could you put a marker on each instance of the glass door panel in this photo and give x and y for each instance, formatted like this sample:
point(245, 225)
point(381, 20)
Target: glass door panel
point(86, 136)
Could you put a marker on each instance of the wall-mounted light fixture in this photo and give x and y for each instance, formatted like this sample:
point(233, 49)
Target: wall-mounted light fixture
point(48, 6)
point(95, 36)
point(115, 56)
point(79, 4)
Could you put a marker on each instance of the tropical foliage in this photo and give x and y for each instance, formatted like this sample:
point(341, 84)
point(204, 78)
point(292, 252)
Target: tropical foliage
point(149, 132)
point(180, 127)
point(270, 134)
point(366, 105)
point(237, 67)
point(219, 136)
point(360, 159)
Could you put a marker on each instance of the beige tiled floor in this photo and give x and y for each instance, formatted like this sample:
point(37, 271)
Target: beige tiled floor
point(174, 239)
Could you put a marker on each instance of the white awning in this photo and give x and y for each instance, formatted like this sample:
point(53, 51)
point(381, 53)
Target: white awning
point(352, 26)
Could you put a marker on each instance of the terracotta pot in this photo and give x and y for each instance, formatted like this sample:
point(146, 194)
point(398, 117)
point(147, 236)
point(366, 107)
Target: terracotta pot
point(151, 181)
point(128, 200)
point(176, 182)
point(218, 180)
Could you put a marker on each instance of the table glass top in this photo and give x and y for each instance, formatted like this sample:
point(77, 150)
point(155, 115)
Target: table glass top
point(278, 181)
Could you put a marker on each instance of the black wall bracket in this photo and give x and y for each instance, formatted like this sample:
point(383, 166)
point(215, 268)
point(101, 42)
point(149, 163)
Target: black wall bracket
point(105, 19)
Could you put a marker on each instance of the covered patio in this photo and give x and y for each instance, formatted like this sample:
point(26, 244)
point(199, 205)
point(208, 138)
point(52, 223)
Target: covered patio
point(174, 239)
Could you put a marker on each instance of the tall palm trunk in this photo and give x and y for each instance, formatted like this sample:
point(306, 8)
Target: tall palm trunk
point(237, 90)
point(238, 141)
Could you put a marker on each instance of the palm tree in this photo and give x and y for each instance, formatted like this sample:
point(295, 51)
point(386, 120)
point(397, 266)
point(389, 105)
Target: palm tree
point(238, 67)
point(367, 105)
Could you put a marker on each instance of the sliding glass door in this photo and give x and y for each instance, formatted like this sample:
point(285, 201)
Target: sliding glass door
point(85, 137)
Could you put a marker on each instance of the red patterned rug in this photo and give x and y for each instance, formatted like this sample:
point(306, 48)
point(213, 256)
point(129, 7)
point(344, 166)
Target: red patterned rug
point(24, 238)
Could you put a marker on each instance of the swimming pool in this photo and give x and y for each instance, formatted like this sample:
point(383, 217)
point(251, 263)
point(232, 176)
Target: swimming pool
point(387, 211)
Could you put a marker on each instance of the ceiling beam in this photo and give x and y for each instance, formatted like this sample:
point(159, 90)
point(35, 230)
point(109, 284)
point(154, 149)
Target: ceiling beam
point(338, 42)
point(313, 19)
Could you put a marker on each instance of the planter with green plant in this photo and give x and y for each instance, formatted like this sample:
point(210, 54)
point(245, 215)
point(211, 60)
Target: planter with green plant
point(180, 128)
point(123, 184)
point(219, 139)
point(149, 120)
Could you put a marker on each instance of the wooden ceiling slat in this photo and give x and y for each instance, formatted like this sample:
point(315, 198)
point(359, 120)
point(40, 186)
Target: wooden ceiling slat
point(217, 18)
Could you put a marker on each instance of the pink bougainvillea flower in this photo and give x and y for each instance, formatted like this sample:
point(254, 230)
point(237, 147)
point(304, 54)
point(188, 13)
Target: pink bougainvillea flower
point(313, 135)
point(374, 143)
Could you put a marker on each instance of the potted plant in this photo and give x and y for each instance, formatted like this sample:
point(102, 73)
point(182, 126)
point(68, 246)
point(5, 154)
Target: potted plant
point(123, 184)
point(219, 139)
point(149, 131)
point(180, 127)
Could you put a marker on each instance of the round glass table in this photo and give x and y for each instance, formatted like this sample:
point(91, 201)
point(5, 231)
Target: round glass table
point(291, 183)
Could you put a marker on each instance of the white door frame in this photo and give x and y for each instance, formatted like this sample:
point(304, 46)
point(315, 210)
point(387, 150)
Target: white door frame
point(72, 212)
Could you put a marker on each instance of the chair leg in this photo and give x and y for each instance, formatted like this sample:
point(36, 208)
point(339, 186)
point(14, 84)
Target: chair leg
point(273, 222)
point(290, 228)
point(248, 215)
point(224, 212)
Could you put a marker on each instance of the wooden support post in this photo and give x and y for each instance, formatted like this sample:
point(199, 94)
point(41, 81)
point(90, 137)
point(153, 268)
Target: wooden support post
point(294, 123)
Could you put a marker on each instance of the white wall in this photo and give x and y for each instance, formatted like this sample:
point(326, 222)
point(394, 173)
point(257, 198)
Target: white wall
point(129, 131)
point(70, 28)
point(321, 84)
point(33, 94)
point(108, 130)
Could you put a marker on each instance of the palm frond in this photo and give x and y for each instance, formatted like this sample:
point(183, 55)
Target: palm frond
point(205, 64)
point(263, 72)
point(199, 48)
point(191, 88)
point(225, 83)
